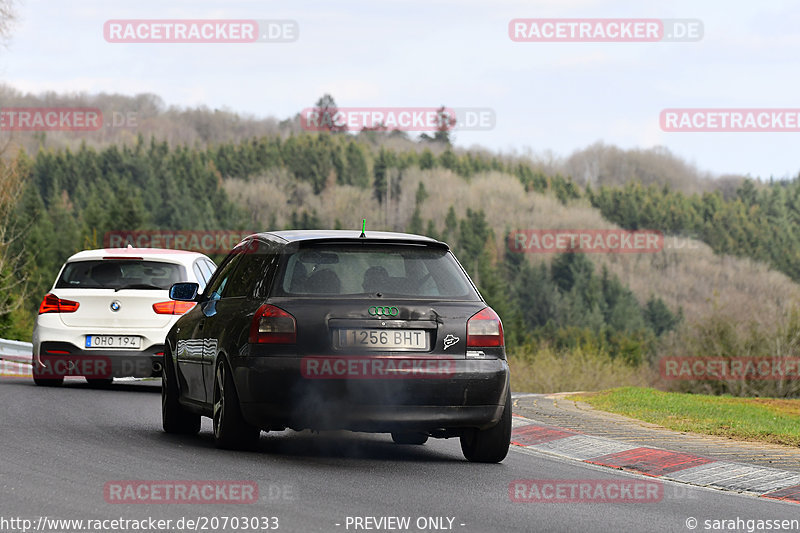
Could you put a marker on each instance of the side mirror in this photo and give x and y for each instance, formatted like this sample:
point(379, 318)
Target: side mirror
point(184, 292)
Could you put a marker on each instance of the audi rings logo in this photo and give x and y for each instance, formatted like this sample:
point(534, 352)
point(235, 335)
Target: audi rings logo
point(383, 311)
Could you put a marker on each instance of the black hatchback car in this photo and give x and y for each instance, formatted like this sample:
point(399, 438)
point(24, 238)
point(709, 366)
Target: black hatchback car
point(377, 332)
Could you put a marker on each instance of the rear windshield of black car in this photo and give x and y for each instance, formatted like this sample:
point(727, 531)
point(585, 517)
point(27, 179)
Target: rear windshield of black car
point(127, 274)
point(367, 270)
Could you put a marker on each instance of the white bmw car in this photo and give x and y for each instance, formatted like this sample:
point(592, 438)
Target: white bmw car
point(109, 312)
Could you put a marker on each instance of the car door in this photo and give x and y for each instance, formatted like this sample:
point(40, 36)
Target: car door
point(198, 350)
point(189, 356)
point(227, 328)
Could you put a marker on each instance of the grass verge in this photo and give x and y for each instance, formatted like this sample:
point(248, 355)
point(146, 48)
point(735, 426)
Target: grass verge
point(773, 420)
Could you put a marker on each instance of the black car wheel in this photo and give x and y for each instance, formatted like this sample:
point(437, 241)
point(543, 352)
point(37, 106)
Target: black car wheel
point(231, 431)
point(489, 445)
point(40, 380)
point(48, 382)
point(100, 382)
point(409, 438)
point(174, 417)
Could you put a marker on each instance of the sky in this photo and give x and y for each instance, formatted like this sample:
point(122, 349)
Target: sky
point(546, 97)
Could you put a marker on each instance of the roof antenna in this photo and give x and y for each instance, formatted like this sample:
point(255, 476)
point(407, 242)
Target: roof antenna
point(363, 229)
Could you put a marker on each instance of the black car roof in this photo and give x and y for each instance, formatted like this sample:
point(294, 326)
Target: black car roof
point(291, 236)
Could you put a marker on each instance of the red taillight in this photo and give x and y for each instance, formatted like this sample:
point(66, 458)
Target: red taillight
point(54, 304)
point(172, 307)
point(484, 329)
point(272, 325)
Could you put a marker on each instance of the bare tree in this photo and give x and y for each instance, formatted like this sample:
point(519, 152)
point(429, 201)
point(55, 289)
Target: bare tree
point(12, 282)
point(7, 19)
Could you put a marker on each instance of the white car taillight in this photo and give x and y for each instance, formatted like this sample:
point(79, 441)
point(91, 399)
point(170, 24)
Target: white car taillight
point(53, 304)
point(172, 307)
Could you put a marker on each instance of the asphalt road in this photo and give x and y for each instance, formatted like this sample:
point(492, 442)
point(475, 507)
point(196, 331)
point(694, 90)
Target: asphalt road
point(60, 447)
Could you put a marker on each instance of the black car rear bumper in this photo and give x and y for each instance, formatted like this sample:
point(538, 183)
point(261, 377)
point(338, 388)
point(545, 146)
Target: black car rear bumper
point(374, 418)
point(275, 393)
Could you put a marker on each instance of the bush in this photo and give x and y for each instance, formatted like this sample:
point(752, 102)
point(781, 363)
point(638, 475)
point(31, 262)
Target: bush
point(545, 369)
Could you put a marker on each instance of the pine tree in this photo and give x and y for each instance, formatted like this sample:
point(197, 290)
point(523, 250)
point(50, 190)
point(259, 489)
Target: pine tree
point(356, 173)
point(379, 183)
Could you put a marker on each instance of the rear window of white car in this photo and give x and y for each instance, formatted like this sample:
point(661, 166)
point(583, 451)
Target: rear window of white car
point(124, 274)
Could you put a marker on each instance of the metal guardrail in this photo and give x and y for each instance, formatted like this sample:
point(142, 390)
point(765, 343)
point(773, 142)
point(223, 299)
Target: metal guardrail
point(16, 350)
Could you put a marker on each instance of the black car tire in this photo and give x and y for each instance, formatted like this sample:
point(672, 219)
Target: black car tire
point(231, 431)
point(48, 382)
point(174, 417)
point(489, 445)
point(409, 438)
point(100, 382)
